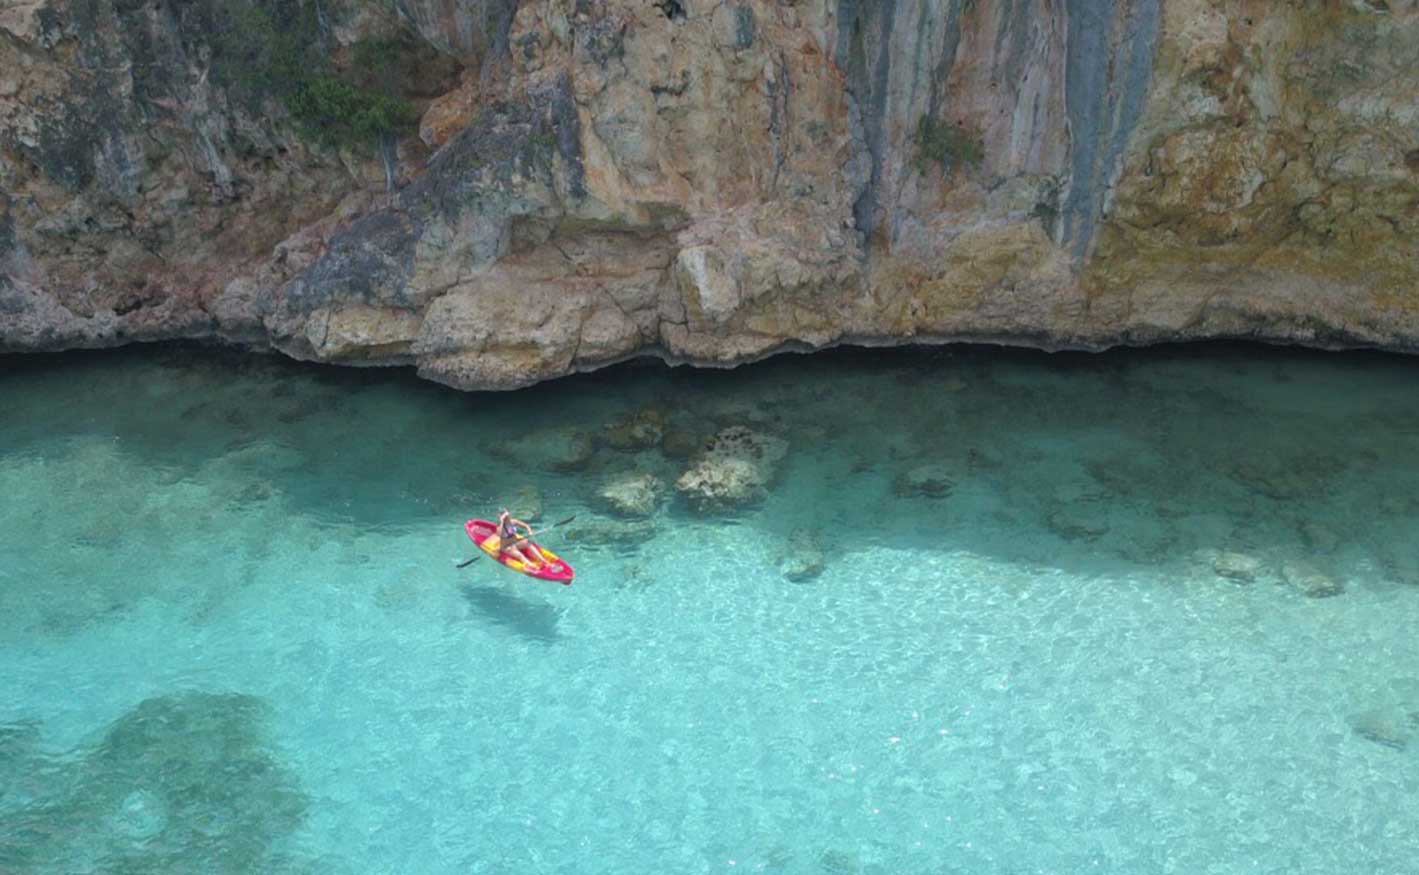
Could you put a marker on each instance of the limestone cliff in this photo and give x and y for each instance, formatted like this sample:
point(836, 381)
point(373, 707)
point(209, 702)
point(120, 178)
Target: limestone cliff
point(500, 192)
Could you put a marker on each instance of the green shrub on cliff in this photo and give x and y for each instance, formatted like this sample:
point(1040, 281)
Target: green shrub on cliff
point(335, 112)
point(276, 49)
point(946, 144)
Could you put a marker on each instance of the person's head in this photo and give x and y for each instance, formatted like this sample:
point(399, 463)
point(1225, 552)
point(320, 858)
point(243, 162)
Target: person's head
point(503, 514)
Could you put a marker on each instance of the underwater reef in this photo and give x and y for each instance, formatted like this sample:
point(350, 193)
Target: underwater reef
point(145, 797)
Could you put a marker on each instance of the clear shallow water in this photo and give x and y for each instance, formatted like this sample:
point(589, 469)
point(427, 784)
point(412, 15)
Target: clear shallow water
point(233, 638)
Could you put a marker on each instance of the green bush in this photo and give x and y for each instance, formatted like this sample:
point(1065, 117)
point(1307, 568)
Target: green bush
point(947, 145)
point(276, 50)
point(335, 112)
point(377, 60)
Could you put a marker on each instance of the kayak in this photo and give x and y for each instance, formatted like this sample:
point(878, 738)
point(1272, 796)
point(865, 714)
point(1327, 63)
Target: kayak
point(485, 535)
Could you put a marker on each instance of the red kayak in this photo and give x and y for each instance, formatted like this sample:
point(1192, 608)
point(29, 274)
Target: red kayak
point(485, 535)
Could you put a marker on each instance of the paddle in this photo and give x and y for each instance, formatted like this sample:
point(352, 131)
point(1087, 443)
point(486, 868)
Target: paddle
point(468, 562)
point(554, 525)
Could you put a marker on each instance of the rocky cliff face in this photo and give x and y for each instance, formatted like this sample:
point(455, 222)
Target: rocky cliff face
point(500, 192)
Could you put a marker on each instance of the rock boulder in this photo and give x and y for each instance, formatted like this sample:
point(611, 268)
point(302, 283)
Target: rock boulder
point(563, 449)
point(633, 495)
point(928, 481)
point(802, 557)
point(735, 469)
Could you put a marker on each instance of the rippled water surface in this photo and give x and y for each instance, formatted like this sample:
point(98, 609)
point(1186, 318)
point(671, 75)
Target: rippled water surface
point(1137, 612)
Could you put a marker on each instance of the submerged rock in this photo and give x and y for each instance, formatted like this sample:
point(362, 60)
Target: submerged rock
point(632, 494)
point(1079, 522)
point(803, 557)
point(722, 483)
point(1236, 566)
point(1407, 688)
point(837, 862)
point(1311, 581)
point(1403, 506)
point(610, 533)
point(403, 592)
point(735, 469)
point(1401, 563)
point(1389, 727)
point(564, 449)
point(738, 412)
point(185, 782)
point(525, 503)
point(680, 443)
point(1284, 479)
point(930, 481)
point(266, 456)
point(635, 575)
point(1319, 536)
point(256, 492)
point(642, 430)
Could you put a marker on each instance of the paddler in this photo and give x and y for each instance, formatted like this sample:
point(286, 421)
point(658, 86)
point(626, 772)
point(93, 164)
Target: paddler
point(510, 543)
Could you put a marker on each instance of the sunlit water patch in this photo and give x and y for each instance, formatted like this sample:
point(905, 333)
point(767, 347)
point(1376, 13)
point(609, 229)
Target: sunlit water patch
point(983, 612)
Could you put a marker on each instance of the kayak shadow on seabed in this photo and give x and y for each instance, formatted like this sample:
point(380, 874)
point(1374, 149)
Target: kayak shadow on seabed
point(536, 622)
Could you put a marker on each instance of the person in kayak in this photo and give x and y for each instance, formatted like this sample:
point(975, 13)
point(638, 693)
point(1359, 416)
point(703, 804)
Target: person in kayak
point(510, 543)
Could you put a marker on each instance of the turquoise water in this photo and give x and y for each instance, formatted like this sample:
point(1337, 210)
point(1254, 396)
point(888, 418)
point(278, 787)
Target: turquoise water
point(233, 638)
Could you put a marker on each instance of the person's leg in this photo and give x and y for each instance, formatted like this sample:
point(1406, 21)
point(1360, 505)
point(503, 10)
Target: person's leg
point(507, 550)
point(516, 552)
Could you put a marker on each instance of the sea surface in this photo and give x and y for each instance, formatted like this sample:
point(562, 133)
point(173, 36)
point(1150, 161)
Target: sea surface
point(997, 612)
